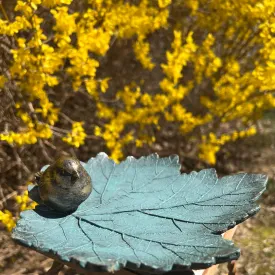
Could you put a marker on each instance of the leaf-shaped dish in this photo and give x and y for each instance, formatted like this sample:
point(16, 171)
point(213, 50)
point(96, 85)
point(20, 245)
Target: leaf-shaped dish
point(143, 214)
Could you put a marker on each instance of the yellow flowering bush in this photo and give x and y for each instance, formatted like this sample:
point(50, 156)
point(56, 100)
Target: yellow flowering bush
point(77, 136)
point(7, 219)
point(24, 201)
point(132, 75)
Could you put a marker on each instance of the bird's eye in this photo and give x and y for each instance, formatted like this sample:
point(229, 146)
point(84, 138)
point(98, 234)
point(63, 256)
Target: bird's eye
point(65, 173)
point(37, 176)
point(62, 172)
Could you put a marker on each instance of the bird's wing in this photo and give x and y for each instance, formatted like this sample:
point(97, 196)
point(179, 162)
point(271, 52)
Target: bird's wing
point(46, 183)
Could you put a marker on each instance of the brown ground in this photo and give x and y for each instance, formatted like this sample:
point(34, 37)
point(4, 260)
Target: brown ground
point(256, 236)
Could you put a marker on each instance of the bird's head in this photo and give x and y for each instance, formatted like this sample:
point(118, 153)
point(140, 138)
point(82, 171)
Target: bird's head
point(68, 167)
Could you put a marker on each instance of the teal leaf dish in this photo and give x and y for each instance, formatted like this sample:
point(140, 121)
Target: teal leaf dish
point(144, 215)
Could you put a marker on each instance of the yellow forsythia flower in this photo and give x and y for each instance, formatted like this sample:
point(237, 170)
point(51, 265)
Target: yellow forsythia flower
point(77, 136)
point(164, 3)
point(7, 219)
point(2, 81)
point(24, 202)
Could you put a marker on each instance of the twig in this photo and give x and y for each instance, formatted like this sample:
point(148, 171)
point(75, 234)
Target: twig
point(66, 117)
point(44, 151)
point(101, 99)
point(93, 137)
point(4, 11)
point(20, 162)
point(59, 129)
point(50, 144)
point(12, 194)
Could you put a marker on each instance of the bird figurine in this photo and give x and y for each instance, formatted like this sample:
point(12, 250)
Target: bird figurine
point(64, 185)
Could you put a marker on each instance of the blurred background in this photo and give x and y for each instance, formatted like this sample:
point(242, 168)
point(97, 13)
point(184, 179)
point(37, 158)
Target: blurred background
point(193, 78)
